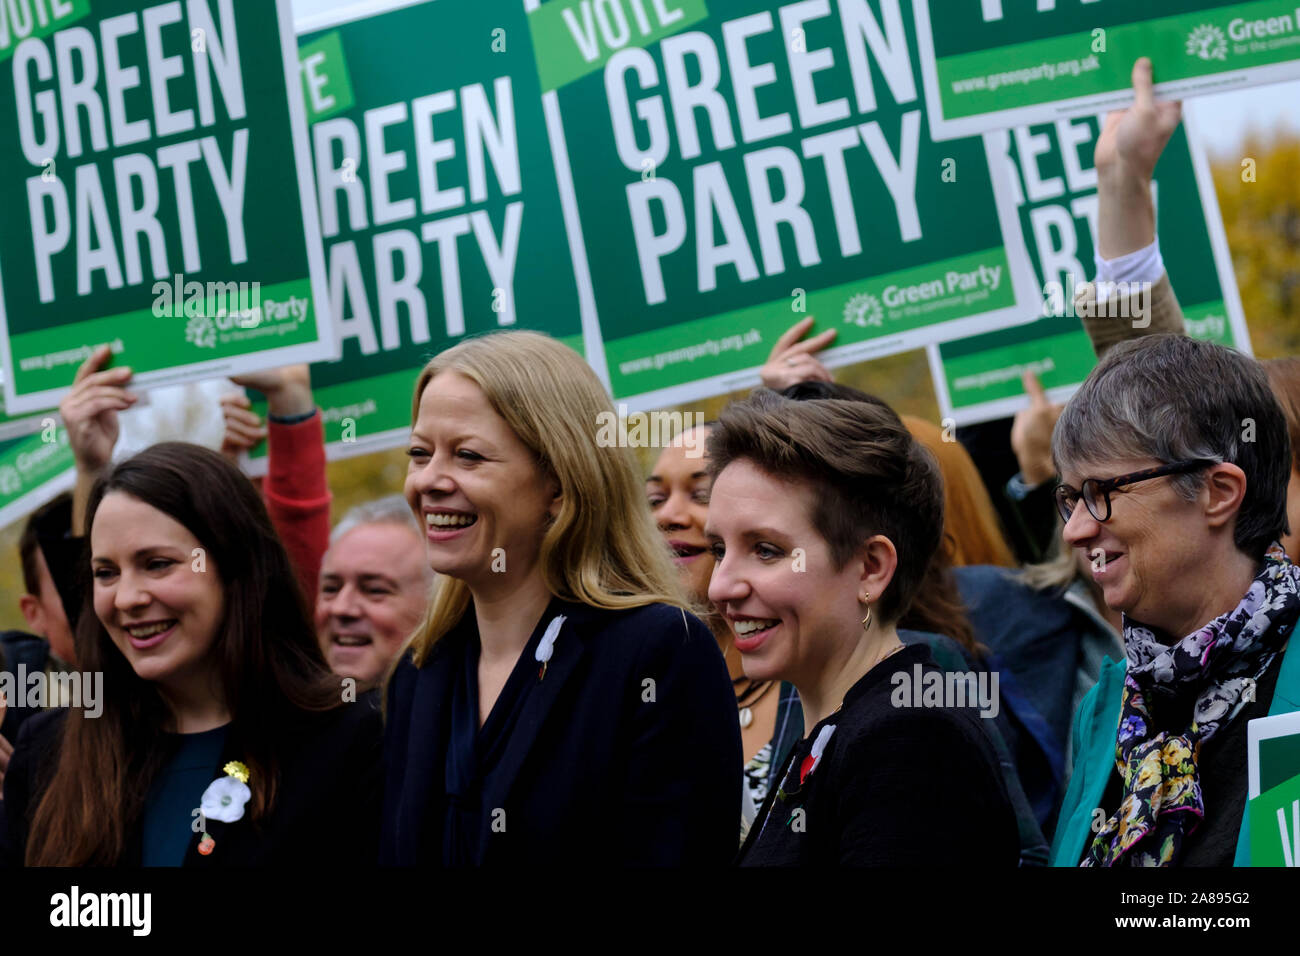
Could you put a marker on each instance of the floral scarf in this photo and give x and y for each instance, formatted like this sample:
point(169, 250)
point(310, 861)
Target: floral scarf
point(1212, 667)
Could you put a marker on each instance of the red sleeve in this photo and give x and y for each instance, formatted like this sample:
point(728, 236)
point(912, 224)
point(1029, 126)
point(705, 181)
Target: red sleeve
point(298, 496)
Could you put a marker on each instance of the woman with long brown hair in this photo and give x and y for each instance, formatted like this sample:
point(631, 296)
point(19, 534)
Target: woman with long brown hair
point(224, 739)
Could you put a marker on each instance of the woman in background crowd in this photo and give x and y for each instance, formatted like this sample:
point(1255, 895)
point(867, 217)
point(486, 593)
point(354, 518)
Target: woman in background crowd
point(771, 721)
point(558, 703)
point(1284, 378)
point(223, 738)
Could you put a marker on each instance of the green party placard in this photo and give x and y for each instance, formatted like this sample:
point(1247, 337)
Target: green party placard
point(1046, 172)
point(158, 193)
point(436, 188)
point(1275, 825)
point(14, 426)
point(736, 165)
point(665, 185)
point(33, 469)
point(994, 64)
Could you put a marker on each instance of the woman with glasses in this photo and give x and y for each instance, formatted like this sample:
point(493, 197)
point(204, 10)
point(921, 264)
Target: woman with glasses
point(1174, 459)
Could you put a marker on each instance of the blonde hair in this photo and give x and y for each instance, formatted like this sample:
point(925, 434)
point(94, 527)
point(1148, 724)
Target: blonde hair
point(1057, 570)
point(972, 533)
point(602, 549)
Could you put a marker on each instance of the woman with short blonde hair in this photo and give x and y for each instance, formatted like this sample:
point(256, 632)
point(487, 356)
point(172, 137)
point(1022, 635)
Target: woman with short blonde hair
point(558, 701)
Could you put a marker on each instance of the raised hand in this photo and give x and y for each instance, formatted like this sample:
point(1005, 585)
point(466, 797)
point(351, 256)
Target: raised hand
point(90, 410)
point(792, 361)
point(1031, 432)
point(1126, 153)
point(1132, 140)
point(287, 389)
point(244, 430)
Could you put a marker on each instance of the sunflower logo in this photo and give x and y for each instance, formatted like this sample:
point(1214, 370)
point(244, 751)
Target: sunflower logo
point(1208, 42)
point(863, 310)
point(201, 332)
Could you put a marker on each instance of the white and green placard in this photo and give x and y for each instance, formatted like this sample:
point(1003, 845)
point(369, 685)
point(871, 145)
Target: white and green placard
point(1046, 172)
point(157, 193)
point(734, 165)
point(15, 426)
point(33, 469)
point(440, 210)
point(995, 64)
point(664, 185)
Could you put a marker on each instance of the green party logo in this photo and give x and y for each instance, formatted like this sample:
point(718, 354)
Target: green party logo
point(863, 310)
point(1208, 42)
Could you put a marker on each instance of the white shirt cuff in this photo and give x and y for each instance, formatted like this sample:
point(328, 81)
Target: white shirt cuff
point(1144, 266)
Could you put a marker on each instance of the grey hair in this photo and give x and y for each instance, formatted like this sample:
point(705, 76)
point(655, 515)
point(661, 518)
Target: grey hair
point(1173, 398)
point(391, 509)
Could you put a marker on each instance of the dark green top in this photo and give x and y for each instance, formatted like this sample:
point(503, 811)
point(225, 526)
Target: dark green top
point(176, 794)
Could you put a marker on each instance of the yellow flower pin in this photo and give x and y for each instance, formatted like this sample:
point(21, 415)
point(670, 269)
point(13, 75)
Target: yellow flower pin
point(237, 770)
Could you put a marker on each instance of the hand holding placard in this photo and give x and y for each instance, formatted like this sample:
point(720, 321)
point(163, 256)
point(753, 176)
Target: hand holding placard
point(90, 410)
point(89, 413)
point(792, 361)
point(1127, 150)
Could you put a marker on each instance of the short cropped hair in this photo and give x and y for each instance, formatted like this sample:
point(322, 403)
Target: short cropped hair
point(1171, 398)
point(390, 509)
point(868, 474)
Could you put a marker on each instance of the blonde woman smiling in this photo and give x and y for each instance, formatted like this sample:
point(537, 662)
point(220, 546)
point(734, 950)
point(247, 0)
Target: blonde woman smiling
point(558, 703)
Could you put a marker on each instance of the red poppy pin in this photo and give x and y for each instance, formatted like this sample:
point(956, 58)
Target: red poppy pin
point(814, 757)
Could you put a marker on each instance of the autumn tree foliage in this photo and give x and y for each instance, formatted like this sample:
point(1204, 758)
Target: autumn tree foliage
point(1259, 197)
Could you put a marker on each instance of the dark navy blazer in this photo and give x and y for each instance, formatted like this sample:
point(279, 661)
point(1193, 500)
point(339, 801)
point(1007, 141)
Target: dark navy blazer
point(627, 752)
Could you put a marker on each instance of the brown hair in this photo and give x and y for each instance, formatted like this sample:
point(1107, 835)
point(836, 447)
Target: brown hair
point(1284, 379)
point(30, 540)
point(972, 534)
point(938, 607)
point(266, 657)
point(869, 475)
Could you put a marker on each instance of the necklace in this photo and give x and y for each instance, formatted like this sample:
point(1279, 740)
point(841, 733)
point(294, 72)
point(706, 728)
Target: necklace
point(748, 698)
point(873, 667)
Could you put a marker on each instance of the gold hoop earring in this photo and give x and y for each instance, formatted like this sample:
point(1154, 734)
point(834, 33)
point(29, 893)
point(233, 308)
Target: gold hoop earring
point(866, 621)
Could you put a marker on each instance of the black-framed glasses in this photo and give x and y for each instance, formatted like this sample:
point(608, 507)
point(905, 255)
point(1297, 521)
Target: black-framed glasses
point(1096, 491)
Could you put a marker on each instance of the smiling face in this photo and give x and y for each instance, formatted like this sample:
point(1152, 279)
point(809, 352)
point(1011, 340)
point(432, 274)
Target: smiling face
point(678, 492)
point(1150, 557)
point(374, 585)
point(161, 613)
point(476, 488)
point(789, 624)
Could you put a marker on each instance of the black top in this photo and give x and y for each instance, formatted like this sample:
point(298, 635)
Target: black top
point(1221, 769)
point(895, 786)
point(179, 787)
point(627, 751)
point(327, 804)
point(474, 754)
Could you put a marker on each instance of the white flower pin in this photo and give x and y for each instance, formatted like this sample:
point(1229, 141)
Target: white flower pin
point(225, 797)
point(546, 646)
point(224, 800)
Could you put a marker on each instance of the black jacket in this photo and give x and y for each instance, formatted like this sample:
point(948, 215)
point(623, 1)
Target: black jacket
point(895, 786)
point(327, 804)
point(31, 651)
point(627, 753)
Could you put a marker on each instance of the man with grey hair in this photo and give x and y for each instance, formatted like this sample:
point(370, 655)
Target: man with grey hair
point(374, 586)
